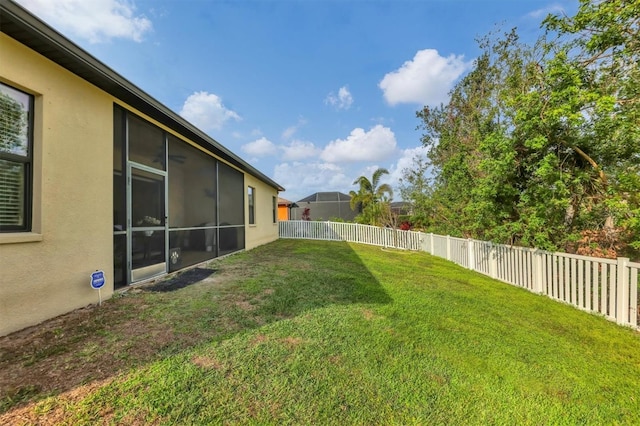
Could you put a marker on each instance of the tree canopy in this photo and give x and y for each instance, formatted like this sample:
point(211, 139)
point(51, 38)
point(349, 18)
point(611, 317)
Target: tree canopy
point(539, 144)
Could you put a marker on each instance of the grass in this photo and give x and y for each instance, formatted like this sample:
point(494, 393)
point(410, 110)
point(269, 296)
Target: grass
point(330, 333)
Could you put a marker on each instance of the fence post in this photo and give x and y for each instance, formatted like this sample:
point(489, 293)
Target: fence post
point(471, 252)
point(622, 291)
point(493, 261)
point(448, 247)
point(537, 271)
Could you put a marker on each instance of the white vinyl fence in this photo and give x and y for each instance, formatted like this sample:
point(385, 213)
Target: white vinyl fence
point(605, 286)
point(352, 232)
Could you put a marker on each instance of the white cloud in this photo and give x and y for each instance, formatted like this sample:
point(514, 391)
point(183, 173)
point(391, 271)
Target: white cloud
point(289, 132)
point(299, 150)
point(382, 120)
point(292, 130)
point(404, 162)
point(341, 101)
point(376, 144)
point(260, 147)
point(542, 13)
point(425, 80)
point(94, 20)
point(304, 179)
point(206, 111)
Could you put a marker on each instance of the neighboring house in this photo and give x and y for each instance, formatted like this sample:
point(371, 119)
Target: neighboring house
point(401, 207)
point(95, 174)
point(325, 206)
point(284, 208)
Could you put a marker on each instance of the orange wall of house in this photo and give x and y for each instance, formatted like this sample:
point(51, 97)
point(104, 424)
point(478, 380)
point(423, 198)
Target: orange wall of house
point(283, 213)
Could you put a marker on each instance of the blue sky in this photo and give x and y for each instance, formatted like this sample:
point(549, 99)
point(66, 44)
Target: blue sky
point(312, 93)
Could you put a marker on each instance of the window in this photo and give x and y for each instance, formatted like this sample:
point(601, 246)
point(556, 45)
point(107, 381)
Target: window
point(16, 146)
point(274, 206)
point(251, 194)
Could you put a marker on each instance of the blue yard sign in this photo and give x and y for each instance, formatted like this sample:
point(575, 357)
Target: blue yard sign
point(97, 279)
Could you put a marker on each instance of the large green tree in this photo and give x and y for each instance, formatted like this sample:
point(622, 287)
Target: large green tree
point(600, 46)
point(459, 137)
point(540, 145)
point(371, 198)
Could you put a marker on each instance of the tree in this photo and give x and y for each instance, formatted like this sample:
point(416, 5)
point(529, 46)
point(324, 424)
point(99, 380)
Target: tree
point(454, 134)
point(538, 144)
point(13, 126)
point(601, 44)
point(416, 188)
point(371, 197)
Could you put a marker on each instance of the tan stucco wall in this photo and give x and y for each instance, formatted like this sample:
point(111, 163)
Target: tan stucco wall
point(264, 231)
point(46, 273)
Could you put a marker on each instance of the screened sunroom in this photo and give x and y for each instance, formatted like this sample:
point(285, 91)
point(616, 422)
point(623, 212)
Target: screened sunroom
point(174, 204)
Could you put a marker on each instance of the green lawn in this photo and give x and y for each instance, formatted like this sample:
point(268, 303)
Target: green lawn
point(336, 333)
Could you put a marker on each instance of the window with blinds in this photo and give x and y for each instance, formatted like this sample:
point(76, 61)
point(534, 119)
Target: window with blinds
point(15, 159)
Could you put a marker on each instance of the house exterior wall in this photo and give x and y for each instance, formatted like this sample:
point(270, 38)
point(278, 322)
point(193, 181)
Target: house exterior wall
point(265, 229)
point(324, 210)
point(283, 213)
point(46, 272)
point(72, 197)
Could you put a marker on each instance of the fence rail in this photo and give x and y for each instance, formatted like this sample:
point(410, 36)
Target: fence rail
point(351, 232)
point(605, 286)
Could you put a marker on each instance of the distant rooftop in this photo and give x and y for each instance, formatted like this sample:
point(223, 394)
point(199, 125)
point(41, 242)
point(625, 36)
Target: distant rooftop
point(398, 204)
point(325, 197)
point(284, 201)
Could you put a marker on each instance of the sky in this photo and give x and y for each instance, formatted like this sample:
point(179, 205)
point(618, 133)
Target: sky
point(312, 93)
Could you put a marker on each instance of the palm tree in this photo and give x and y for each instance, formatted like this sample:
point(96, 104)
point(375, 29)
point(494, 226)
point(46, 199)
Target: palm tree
point(370, 195)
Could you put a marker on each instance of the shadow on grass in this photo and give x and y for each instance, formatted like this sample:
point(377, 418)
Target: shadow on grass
point(273, 282)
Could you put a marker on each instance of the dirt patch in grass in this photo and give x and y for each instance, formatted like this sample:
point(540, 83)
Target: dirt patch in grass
point(26, 415)
point(95, 343)
point(245, 305)
point(88, 344)
point(260, 338)
point(292, 342)
point(207, 362)
point(368, 314)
